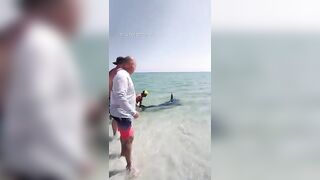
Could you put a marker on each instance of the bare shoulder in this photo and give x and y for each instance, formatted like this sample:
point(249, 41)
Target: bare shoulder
point(112, 73)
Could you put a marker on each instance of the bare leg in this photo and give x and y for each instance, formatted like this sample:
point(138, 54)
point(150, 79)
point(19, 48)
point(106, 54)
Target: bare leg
point(128, 151)
point(114, 127)
point(122, 147)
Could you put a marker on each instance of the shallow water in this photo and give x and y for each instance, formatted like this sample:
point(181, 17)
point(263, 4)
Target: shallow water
point(172, 143)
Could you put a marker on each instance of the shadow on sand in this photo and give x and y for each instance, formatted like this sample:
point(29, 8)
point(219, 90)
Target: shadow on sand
point(115, 172)
point(113, 156)
point(110, 138)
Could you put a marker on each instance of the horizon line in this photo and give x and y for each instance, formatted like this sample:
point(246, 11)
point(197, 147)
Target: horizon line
point(170, 71)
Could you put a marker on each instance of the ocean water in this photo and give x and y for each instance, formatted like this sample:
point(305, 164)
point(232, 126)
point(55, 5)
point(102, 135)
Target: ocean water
point(172, 143)
point(266, 106)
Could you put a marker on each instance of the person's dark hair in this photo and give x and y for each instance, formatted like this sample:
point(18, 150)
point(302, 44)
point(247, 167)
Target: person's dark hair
point(27, 5)
point(119, 61)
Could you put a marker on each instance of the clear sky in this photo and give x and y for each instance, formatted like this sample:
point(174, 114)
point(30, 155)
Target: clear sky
point(266, 15)
point(163, 35)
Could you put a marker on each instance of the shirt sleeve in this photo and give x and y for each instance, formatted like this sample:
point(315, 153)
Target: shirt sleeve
point(120, 86)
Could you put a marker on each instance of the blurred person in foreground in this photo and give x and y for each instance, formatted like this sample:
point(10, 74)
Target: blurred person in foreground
point(4, 60)
point(44, 110)
point(8, 37)
point(119, 62)
point(6, 43)
point(122, 108)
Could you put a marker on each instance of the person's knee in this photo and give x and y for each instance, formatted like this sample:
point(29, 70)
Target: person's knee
point(129, 142)
point(130, 139)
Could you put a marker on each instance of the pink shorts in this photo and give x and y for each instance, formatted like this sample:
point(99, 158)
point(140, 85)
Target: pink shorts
point(126, 133)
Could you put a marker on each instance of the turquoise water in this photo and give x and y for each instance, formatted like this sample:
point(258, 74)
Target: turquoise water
point(171, 143)
point(193, 89)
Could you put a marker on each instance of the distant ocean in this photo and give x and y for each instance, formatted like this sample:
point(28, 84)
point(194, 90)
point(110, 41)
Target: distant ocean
point(171, 143)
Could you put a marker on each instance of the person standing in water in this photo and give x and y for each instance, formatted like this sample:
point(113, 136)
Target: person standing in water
point(112, 73)
point(140, 97)
point(123, 106)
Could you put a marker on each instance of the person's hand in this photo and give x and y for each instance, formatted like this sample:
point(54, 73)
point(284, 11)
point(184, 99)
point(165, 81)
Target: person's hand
point(136, 115)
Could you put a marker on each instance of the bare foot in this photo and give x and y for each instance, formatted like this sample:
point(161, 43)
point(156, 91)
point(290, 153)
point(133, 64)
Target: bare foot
point(122, 154)
point(133, 172)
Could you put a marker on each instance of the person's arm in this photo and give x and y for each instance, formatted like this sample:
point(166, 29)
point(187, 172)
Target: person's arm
point(120, 86)
point(139, 99)
point(140, 102)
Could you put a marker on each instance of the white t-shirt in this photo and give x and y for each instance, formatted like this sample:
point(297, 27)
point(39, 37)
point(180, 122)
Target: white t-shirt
point(44, 117)
point(123, 96)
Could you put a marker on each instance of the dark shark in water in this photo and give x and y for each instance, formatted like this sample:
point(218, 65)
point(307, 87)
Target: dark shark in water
point(166, 105)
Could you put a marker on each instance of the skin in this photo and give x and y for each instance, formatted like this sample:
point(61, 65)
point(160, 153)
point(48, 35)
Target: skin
point(65, 15)
point(139, 100)
point(130, 66)
point(126, 145)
